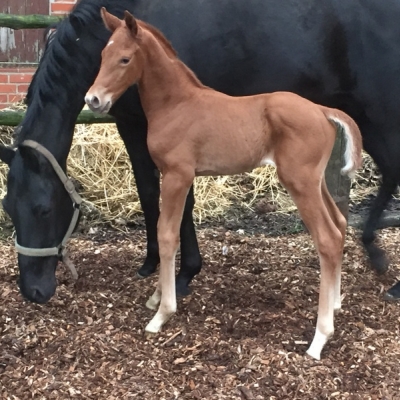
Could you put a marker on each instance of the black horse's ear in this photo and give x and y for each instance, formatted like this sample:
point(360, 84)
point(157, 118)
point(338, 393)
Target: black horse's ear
point(110, 21)
point(6, 154)
point(131, 23)
point(30, 157)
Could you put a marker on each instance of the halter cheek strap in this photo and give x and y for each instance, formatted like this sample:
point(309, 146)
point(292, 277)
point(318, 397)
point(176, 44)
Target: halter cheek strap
point(59, 250)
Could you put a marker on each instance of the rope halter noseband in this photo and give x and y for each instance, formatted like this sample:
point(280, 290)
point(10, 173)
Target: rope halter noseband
point(60, 250)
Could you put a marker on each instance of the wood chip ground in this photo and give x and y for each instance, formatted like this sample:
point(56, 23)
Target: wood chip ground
point(242, 334)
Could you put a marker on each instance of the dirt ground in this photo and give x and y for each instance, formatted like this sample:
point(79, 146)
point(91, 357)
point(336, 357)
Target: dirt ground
point(242, 334)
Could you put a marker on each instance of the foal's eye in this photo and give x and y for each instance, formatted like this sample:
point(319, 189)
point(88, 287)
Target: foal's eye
point(125, 61)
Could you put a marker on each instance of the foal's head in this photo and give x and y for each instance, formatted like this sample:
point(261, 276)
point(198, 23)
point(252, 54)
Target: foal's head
point(121, 65)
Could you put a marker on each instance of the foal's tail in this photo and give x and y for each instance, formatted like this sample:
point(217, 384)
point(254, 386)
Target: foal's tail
point(352, 134)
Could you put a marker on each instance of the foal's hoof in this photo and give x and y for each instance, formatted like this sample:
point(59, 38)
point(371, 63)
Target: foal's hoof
point(393, 294)
point(150, 335)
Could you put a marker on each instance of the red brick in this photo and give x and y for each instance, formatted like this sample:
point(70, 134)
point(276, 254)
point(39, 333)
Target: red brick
point(61, 7)
point(19, 78)
point(3, 78)
point(13, 98)
point(3, 98)
point(22, 88)
point(8, 88)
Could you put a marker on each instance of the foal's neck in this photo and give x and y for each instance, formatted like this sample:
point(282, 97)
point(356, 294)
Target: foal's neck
point(165, 80)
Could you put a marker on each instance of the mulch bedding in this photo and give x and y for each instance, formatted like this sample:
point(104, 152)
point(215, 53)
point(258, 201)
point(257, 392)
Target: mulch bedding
point(242, 334)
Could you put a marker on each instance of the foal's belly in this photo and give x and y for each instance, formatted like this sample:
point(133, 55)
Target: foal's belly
point(229, 159)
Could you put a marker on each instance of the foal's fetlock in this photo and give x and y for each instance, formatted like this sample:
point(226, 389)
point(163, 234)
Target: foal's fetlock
point(152, 303)
point(162, 316)
point(337, 306)
point(337, 310)
point(319, 341)
point(154, 300)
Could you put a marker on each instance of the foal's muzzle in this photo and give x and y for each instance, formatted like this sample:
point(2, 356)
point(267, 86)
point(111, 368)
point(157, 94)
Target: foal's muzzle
point(98, 104)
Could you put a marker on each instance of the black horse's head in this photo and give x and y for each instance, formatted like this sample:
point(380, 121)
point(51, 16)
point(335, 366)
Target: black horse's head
point(41, 210)
point(37, 201)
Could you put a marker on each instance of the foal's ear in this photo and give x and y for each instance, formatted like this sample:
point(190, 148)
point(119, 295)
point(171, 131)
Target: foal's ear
point(110, 21)
point(131, 23)
point(6, 154)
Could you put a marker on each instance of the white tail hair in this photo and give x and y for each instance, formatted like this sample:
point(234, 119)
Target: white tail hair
point(350, 166)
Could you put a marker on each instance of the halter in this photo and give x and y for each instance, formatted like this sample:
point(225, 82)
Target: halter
point(60, 250)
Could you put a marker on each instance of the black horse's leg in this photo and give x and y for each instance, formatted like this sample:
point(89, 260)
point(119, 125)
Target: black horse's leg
point(190, 255)
point(377, 256)
point(134, 135)
point(393, 293)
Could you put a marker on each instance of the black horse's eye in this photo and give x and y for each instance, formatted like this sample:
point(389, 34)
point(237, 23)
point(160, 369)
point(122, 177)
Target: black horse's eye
point(125, 60)
point(41, 211)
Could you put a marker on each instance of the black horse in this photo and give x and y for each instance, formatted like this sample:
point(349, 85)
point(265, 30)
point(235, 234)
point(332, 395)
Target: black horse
point(340, 54)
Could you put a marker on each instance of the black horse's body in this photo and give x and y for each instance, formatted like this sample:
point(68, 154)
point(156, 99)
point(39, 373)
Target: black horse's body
point(343, 54)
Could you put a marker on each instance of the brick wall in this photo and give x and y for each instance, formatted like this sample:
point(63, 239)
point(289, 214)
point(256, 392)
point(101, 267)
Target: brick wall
point(14, 84)
point(14, 81)
point(61, 7)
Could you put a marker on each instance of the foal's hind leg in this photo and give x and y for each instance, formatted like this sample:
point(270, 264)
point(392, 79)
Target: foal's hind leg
point(174, 189)
point(306, 191)
point(341, 223)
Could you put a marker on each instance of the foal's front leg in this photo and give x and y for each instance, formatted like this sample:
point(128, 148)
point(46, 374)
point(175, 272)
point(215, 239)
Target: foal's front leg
point(174, 189)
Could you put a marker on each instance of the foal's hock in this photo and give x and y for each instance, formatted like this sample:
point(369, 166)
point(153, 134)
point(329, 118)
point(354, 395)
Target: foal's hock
point(194, 130)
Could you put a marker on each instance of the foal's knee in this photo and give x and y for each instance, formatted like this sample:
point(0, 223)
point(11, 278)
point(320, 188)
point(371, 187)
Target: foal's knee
point(330, 247)
point(168, 243)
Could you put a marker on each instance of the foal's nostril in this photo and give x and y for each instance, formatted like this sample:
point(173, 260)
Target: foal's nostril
point(95, 102)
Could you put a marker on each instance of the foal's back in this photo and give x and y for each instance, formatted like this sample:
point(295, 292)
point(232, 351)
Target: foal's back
point(226, 135)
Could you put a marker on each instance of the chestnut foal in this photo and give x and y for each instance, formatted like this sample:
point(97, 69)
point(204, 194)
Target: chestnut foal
point(194, 130)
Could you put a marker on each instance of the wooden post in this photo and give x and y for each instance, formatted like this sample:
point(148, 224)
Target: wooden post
point(338, 185)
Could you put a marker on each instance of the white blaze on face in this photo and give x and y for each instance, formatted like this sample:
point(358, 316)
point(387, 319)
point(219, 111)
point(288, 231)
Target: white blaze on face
point(110, 43)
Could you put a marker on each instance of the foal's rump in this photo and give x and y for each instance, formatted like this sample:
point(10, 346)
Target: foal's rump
point(304, 132)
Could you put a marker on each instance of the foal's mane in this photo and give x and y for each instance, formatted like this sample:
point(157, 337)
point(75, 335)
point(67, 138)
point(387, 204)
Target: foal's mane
point(167, 46)
point(171, 52)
